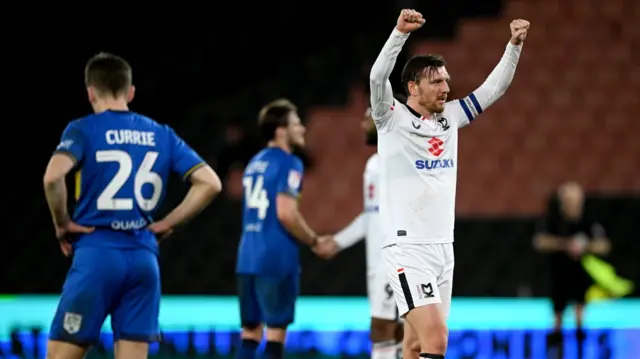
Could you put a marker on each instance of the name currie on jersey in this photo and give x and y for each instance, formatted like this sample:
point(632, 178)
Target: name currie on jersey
point(130, 137)
point(434, 164)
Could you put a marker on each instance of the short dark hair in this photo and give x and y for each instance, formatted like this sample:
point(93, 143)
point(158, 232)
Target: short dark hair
point(274, 115)
point(420, 66)
point(108, 73)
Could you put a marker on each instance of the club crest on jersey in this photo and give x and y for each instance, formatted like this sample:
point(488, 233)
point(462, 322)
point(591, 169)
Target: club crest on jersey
point(444, 123)
point(294, 179)
point(72, 322)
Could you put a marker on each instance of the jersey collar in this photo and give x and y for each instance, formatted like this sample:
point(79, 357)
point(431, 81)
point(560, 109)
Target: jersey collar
point(415, 113)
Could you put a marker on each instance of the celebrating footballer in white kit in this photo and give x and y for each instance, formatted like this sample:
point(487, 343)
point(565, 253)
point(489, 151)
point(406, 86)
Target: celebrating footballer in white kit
point(418, 149)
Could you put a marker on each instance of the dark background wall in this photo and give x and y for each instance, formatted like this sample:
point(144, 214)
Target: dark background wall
point(206, 68)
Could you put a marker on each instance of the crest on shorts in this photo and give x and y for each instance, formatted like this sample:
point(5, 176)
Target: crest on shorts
point(294, 179)
point(72, 322)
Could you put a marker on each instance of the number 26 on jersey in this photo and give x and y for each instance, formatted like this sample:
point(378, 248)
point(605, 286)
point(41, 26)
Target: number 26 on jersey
point(143, 175)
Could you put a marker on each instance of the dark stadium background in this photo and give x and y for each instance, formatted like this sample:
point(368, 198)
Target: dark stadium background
point(206, 68)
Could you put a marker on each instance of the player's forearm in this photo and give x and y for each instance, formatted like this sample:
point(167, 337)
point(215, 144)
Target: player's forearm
point(381, 91)
point(296, 225)
point(56, 193)
point(549, 243)
point(198, 198)
point(500, 78)
point(599, 245)
point(351, 234)
point(382, 68)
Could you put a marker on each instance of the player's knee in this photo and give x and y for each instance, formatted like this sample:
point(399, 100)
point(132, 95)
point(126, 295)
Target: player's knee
point(126, 349)
point(431, 342)
point(411, 345)
point(439, 340)
point(252, 332)
point(63, 350)
point(438, 337)
point(276, 334)
point(382, 330)
point(432, 333)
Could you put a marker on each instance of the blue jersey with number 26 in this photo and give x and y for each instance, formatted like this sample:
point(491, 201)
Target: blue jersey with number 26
point(266, 248)
point(123, 162)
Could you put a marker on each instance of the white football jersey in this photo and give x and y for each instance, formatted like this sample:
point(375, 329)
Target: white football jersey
point(418, 156)
point(418, 160)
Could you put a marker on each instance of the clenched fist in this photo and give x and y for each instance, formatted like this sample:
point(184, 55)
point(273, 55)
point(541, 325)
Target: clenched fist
point(519, 30)
point(409, 21)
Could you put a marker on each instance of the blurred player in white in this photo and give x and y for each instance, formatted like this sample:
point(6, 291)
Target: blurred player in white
point(418, 149)
point(385, 329)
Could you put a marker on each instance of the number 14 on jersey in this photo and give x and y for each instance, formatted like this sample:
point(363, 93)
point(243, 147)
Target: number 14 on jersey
point(255, 195)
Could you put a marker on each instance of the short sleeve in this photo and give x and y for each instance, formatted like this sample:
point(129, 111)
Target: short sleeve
point(184, 160)
point(72, 142)
point(290, 181)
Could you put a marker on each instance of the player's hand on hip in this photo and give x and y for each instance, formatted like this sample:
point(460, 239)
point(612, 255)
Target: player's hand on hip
point(65, 231)
point(161, 229)
point(66, 248)
point(519, 28)
point(409, 21)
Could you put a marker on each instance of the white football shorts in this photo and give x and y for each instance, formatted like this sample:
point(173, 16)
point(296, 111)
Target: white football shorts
point(420, 274)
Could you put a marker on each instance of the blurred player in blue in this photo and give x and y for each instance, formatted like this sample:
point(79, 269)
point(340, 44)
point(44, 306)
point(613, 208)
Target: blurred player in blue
point(122, 162)
point(268, 266)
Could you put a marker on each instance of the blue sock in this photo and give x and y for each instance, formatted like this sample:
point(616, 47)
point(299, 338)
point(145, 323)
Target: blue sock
point(247, 349)
point(273, 350)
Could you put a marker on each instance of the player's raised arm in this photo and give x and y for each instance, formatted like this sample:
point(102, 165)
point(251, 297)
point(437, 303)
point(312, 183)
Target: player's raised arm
point(500, 78)
point(381, 91)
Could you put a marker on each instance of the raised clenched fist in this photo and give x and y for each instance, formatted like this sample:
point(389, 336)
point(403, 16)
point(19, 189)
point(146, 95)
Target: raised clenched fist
point(409, 21)
point(519, 28)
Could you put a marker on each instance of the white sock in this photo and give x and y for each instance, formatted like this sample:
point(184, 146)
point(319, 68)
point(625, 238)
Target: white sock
point(386, 350)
